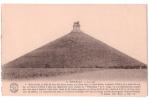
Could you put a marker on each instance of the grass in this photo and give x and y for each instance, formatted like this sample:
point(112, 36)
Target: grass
point(27, 73)
point(71, 73)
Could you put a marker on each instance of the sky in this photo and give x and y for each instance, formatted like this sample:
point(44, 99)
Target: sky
point(27, 27)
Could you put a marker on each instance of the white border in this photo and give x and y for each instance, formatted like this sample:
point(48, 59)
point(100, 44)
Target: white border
point(77, 1)
point(74, 2)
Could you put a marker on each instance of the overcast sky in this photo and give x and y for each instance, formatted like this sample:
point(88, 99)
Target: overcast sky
point(27, 27)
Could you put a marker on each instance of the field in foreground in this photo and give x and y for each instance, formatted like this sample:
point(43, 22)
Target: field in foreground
point(74, 73)
point(108, 75)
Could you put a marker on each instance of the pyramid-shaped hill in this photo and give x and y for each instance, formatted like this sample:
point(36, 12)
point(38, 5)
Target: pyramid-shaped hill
point(77, 50)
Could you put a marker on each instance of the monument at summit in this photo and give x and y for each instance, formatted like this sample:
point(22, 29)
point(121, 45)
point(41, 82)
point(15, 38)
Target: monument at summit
point(75, 50)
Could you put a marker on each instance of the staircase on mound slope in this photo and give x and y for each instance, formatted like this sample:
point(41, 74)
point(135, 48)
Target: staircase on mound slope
point(76, 49)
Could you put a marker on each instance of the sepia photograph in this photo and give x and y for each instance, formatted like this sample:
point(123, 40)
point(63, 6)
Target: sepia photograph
point(74, 49)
